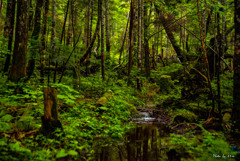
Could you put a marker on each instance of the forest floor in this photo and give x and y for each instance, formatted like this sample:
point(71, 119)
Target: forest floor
point(99, 117)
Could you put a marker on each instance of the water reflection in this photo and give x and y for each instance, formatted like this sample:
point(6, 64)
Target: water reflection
point(147, 142)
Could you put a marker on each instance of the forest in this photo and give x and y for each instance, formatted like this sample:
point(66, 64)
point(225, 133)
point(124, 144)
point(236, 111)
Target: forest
point(120, 80)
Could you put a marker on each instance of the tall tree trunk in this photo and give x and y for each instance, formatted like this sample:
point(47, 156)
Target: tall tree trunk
point(206, 62)
point(30, 15)
point(61, 40)
point(236, 65)
point(107, 29)
point(130, 42)
point(19, 62)
point(139, 44)
point(91, 20)
point(102, 40)
point(9, 30)
point(87, 34)
point(35, 35)
point(171, 37)
point(44, 39)
point(53, 37)
point(96, 33)
point(146, 43)
point(70, 30)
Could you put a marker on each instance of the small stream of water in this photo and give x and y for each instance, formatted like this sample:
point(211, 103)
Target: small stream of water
point(147, 142)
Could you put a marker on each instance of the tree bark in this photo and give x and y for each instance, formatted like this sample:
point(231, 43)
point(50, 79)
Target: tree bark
point(130, 42)
point(102, 40)
point(9, 30)
point(139, 44)
point(108, 47)
point(50, 120)
point(35, 35)
point(44, 39)
point(19, 62)
point(146, 44)
point(236, 66)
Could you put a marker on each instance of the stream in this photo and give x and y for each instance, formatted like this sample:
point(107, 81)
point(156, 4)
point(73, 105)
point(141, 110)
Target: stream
point(147, 142)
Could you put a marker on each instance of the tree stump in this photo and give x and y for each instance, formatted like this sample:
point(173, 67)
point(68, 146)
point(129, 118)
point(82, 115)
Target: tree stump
point(50, 120)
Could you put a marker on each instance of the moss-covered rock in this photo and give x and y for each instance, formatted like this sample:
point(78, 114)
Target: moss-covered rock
point(183, 115)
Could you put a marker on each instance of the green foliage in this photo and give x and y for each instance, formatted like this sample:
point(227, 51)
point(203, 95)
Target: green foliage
point(201, 147)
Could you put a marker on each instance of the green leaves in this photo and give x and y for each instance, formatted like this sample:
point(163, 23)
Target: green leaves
point(63, 153)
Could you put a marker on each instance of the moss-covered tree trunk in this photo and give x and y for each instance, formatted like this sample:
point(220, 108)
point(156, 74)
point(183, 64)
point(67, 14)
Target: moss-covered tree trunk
point(19, 62)
point(50, 120)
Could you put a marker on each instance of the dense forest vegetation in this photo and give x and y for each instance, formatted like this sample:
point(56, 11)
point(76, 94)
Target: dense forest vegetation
point(117, 80)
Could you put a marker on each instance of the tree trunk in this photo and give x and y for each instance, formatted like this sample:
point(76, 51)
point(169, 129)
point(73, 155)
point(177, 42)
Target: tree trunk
point(146, 44)
point(50, 120)
point(35, 35)
point(30, 16)
point(82, 59)
point(102, 40)
point(9, 30)
point(87, 35)
point(171, 37)
point(107, 29)
point(236, 65)
point(131, 42)
point(19, 62)
point(70, 30)
point(53, 37)
point(139, 44)
point(61, 40)
point(44, 39)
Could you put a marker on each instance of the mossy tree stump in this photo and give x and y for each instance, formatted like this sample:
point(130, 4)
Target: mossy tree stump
point(50, 120)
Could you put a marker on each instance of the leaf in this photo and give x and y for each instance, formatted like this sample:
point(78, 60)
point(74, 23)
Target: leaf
point(62, 153)
point(7, 118)
point(72, 152)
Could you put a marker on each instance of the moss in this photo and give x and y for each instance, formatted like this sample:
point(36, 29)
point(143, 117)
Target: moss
point(104, 99)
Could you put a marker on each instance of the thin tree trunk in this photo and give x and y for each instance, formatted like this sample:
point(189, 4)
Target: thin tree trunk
point(139, 44)
point(206, 62)
point(30, 16)
point(131, 42)
point(146, 44)
point(19, 62)
point(82, 59)
point(125, 35)
point(108, 47)
point(61, 40)
point(9, 29)
point(102, 40)
point(35, 35)
point(44, 39)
